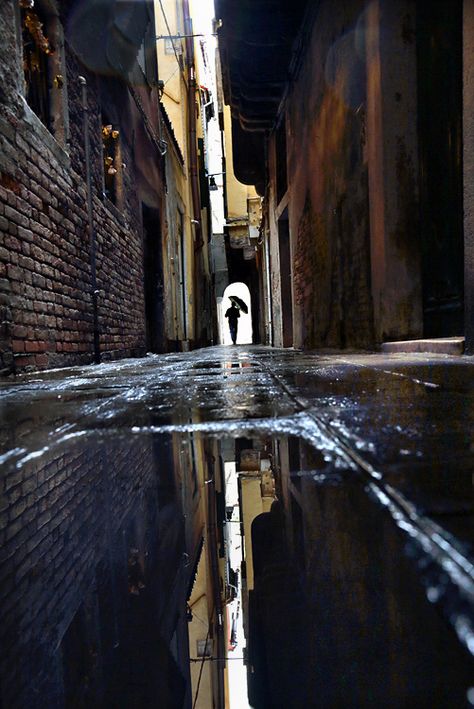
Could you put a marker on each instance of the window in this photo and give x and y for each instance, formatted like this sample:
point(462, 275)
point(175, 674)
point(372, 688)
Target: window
point(147, 55)
point(112, 160)
point(173, 45)
point(203, 179)
point(43, 66)
point(37, 50)
point(281, 169)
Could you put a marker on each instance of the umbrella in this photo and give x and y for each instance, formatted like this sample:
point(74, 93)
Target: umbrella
point(239, 303)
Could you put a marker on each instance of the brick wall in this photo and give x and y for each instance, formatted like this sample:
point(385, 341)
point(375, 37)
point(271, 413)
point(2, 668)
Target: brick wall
point(45, 249)
point(45, 272)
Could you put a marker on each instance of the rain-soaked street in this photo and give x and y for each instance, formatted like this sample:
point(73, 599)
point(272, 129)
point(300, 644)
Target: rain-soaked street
point(363, 570)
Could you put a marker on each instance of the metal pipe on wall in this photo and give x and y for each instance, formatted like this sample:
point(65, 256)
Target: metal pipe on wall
point(193, 170)
point(192, 134)
point(90, 220)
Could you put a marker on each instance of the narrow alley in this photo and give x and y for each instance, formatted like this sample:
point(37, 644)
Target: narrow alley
point(236, 354)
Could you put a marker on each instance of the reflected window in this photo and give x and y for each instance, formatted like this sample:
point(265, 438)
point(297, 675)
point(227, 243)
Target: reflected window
point(136, 577)
point(204, 647)
point(294, 460)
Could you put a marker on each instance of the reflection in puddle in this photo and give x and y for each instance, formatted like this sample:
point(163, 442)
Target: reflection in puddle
point(170, 565)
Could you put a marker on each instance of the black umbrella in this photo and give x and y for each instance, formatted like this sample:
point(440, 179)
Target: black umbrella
point(239, 303)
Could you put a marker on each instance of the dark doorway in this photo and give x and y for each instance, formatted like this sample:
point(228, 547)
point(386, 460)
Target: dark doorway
point(285, 279)
point(439, 43)
point(153, 268)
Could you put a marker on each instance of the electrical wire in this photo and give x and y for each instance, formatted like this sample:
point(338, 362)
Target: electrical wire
point(178, 68)
point(204, 622)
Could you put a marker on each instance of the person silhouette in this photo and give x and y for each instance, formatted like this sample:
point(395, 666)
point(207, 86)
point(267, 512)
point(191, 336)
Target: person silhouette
point(233, 315)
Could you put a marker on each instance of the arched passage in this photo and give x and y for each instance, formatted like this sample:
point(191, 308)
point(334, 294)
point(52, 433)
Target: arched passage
point(244, 332)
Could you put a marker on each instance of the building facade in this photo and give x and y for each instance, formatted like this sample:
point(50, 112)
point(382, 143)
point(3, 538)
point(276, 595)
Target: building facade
point(363, 160)
point(100, 254)
point(187, 105)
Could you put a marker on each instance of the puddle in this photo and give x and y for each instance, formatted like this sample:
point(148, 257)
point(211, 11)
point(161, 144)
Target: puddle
point(172, 525)
point(171, 556)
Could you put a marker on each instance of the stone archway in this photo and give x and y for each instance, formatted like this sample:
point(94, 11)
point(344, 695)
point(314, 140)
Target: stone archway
point(245, 330)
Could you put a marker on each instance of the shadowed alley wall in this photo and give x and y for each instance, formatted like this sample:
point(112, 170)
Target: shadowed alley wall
point(352, 198)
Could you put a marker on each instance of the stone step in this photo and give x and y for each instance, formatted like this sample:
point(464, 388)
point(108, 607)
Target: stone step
point(440, 345)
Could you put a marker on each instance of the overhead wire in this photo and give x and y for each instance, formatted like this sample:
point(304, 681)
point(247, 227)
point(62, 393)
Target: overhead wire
point(178, 68)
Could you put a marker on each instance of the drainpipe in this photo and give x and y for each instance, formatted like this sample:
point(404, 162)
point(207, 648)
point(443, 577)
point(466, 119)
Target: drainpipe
point(193, 169)
point(192, 125)
point(90, 220)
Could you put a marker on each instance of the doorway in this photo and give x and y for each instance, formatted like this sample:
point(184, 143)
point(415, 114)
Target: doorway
point(285, 279)
point(439, 47)
point(153, 280)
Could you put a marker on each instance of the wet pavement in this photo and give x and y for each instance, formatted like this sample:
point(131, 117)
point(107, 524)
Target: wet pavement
point(406, 418)
point(406, 421)
point(402, 425)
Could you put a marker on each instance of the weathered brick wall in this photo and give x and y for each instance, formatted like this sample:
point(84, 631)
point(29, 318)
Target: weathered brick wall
point(329, 216)
point(69, 519)
point(45, 286)
point(45, 249)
